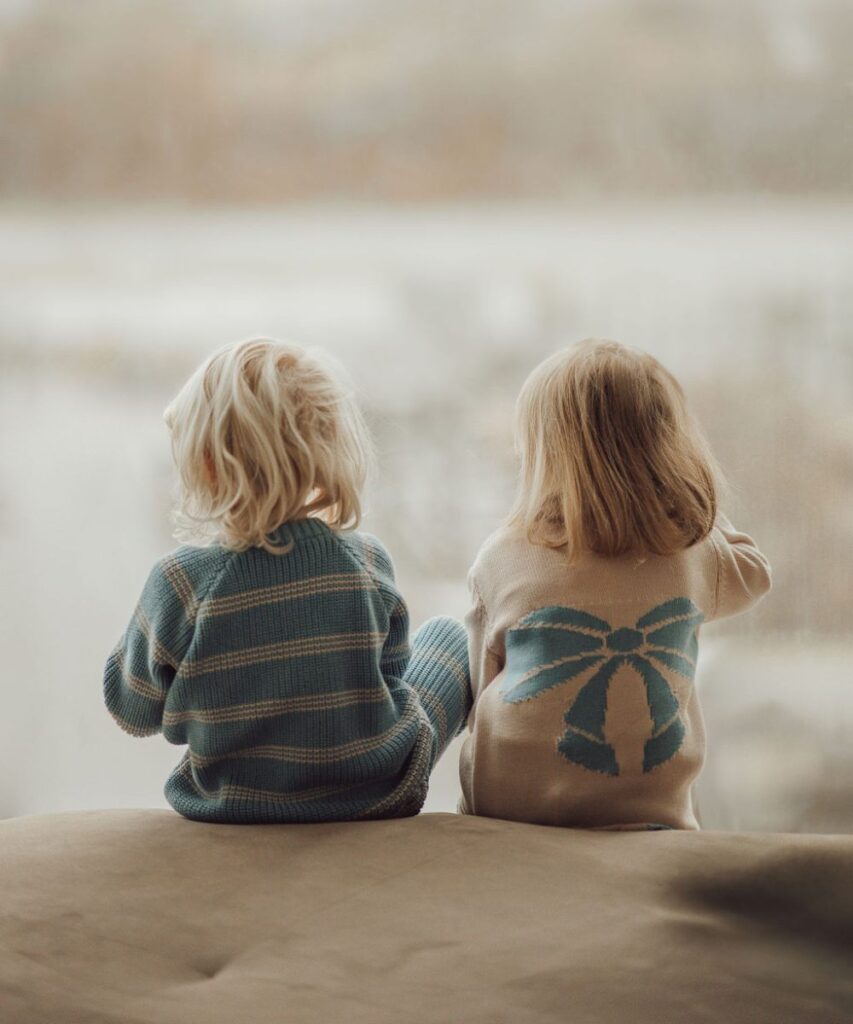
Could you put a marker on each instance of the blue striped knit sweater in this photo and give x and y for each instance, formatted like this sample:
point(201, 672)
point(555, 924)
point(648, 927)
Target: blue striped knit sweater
point(286, 677)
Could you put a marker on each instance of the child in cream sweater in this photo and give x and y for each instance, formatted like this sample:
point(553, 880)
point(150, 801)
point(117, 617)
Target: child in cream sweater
point(587, 605)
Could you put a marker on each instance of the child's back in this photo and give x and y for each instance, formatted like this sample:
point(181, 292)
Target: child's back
point(585, 710)
point(288, 681)
point(583, 632)
point(280, 655)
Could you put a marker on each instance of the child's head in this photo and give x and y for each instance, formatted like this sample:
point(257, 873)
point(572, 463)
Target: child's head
point(611, 459)
point(262, 433)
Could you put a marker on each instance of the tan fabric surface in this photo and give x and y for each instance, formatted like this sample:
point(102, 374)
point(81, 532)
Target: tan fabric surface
point(138, 916)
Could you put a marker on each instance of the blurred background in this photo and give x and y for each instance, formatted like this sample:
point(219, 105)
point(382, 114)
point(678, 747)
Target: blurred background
point(440, 193)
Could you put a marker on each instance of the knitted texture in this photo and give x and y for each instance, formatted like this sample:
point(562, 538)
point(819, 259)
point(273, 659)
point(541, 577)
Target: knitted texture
point(585, 709)
point(291, 680)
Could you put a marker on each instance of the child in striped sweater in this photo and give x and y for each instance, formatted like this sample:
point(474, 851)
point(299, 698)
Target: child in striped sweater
point(587, 605)
point(276, 646)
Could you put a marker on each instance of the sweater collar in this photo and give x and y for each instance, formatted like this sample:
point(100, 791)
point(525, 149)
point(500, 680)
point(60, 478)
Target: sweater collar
point(299, 529)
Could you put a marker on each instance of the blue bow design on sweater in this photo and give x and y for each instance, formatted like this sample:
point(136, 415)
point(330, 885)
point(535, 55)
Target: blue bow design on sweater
point(553, 645)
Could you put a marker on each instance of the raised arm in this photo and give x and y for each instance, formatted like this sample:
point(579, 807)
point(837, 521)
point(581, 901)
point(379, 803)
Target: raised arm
point(743, 573)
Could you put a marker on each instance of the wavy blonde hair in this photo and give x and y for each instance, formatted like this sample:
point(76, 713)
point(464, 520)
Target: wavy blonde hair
point(262, 433)
point(611, 460)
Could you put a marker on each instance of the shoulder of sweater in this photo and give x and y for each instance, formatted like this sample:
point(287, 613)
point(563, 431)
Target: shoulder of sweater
point(198, 561)
point(704, 555)
point(492, 557)
point(189, 572)
point(370, 553)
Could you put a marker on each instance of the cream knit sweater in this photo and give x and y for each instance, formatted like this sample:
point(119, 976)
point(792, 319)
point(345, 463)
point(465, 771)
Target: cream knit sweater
point(585, 713)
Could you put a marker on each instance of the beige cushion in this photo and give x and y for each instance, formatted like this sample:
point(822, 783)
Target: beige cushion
point(138, 916)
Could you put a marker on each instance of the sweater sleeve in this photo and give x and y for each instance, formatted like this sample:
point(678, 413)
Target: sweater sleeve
point(743, 573)
point(143, 664)
point(485, 662)
point(396, 651)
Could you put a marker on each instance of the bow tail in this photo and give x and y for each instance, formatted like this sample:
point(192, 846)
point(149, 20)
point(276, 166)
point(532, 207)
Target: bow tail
point(667, 727)
point(584, 743)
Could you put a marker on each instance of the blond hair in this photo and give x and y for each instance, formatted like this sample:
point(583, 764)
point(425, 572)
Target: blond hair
point(262, 433)
point(611, 460)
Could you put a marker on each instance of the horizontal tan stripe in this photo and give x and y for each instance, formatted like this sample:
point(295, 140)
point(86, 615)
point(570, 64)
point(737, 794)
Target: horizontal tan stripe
point(176, 575)
point(144, 689)
point(301, 647)
point(413, 782)
point(313, 585)
point(128, 727)
point(234, 791)
point(270, 708)
point(135, 683)
point(433, 702)
point(437, 655)
point(161, 654)
point(315, 755)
